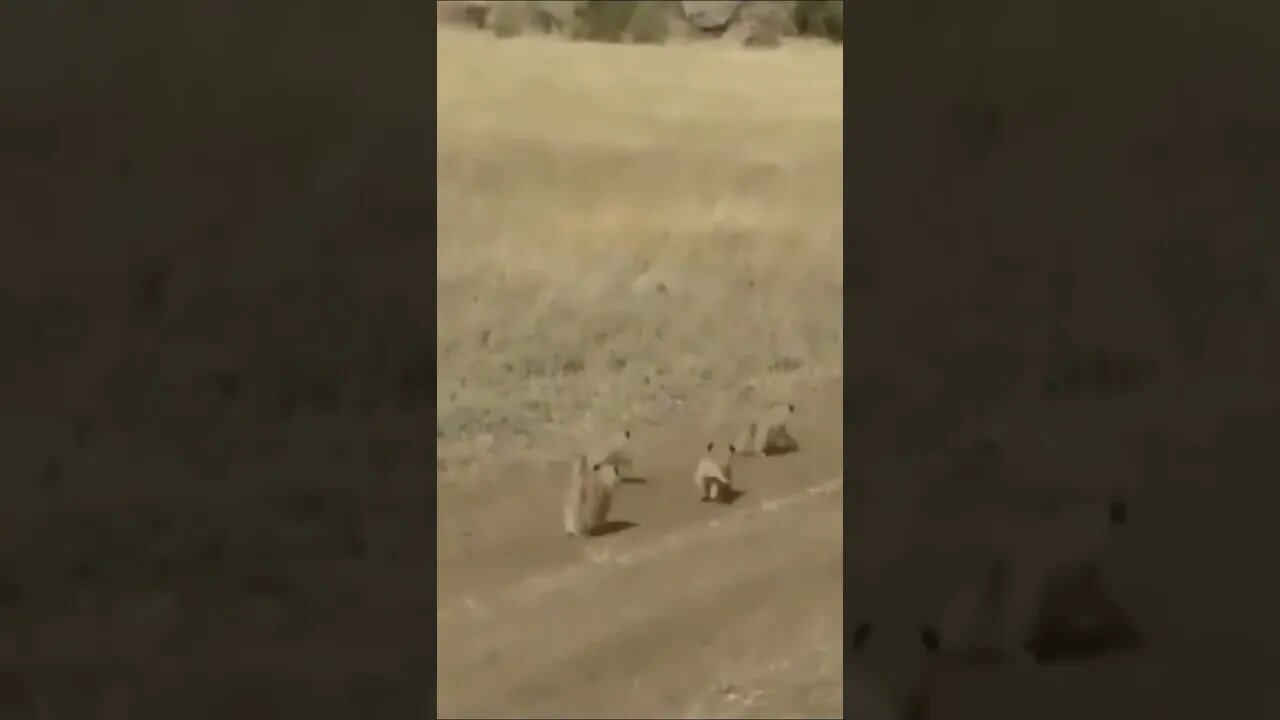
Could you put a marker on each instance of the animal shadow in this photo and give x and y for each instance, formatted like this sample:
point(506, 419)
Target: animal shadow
point(780, 442)
point(634, 480)
point(1081, 621)
point(612, 526)
point(730, 495)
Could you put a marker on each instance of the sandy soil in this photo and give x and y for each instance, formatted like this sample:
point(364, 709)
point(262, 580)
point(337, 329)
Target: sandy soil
point(691, 610)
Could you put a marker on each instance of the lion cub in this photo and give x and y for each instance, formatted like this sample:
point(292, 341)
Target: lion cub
point(768, 434)
point(713, 478)
point(589, 497)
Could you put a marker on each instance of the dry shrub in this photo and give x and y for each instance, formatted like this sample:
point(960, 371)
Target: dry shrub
point(478, 13)
point(451, 12)
point(624, 228)
point(761, 25)
point(606, 20)
point(555, 17)
point(820, 18)
point(649, 23)
point(462, 12)
point(509, 19)
point(770, 18)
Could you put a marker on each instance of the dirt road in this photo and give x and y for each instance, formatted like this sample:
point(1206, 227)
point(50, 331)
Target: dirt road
point(688, 609)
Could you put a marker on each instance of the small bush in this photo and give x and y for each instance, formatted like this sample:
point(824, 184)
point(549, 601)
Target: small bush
point(606, 20)
point(477, 15)
point(455, 12)
point(554, 17)
point(648, 23)
point(509, 19)
point(770, 18)
point(820, 18)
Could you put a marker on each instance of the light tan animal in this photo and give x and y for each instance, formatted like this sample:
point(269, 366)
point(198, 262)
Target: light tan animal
point(768, 434)
point(713, 478)
point(612, 450)
point(589, 498)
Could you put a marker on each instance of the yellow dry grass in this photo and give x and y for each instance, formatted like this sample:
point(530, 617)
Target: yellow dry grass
point(623, 229)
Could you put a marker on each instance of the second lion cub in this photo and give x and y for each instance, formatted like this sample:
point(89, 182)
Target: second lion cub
point(713, 478)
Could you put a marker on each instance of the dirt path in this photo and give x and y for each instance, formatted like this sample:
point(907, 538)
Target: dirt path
point(696, 609)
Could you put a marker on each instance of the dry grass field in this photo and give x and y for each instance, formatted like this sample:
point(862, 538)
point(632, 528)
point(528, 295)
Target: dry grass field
point(625, 229)
point(650, 238)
